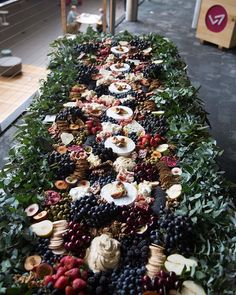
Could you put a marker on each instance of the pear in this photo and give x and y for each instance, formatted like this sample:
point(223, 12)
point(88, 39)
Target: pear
point(176, 267)
point(177, 262)
point(43, 228)
point(191, 288)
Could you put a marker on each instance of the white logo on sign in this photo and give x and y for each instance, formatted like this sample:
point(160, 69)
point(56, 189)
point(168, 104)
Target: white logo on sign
point(217, 19)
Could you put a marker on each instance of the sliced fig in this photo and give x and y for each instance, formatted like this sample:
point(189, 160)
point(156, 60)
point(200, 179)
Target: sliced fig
point(32, 261)
point(52, 197)
point(61, 185)
point(32, 210)
point(43, 270)
point(41, 216)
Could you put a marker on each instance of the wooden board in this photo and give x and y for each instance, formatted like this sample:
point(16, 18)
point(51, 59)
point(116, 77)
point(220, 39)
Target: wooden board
point(16, 93)
point(225, 38)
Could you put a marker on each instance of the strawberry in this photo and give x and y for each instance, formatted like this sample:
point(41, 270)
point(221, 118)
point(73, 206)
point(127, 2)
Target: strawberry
point(69, 262)
point(61, 282)
point(73, 273)
point(60, 271)
point(78, 284)
point(89, 123)
point(69, 291)
point(48, 279)
point(79, 261)
point(93, 130)
point(153, 142)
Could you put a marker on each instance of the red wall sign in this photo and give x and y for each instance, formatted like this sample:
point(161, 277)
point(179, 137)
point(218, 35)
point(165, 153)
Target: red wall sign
point(216, 18)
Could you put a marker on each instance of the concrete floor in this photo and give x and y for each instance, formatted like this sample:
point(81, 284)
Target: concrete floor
point(209, 67)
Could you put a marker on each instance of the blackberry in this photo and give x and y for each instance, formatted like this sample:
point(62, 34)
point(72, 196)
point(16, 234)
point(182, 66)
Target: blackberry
point(140, 43)
point(139, 55)
point(131, 103)
point(71, 114)
point(84, 73)
point(153, 71)
point(154, 124)
point(61, 164)
point(140, 96)
point(105, 154)
point(101, 90)
point(134, 250)
point(99, 283)
point(86, 48)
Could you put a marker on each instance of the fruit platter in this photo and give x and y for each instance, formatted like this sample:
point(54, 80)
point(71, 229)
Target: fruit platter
point(119, 192)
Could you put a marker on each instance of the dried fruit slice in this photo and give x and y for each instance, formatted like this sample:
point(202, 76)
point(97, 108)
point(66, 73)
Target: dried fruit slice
point(43, 270)
point(61, 185)
point(32, 210)
point(62, 149)
point(32, 261)
point(41, 216)
point(71, 180)
point(43, 228)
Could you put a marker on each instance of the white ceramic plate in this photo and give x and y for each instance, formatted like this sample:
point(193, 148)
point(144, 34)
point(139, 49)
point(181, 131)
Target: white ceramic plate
point(124, 68)
point(113, 87)
point(121, 151)
point(115, 49)
point(111, 112)
point(127, 200)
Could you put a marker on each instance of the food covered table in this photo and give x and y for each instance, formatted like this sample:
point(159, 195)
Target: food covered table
point(113, 187)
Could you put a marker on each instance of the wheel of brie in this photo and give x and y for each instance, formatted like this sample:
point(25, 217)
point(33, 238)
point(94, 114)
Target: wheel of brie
point(120, 67)
point(119, 49)
point(119, 112)
point(127, 199)
point(121, 145)
point(119, 87)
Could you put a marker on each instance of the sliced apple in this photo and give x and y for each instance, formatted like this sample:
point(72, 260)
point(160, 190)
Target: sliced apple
point(66, 138)
point(41, 216)
point(43, 228)
point(32, 261)
point(176, 267)
point(191, 286)
point(32, 210)
point(162, 148)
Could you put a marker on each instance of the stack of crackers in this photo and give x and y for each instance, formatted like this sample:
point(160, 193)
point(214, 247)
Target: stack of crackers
point(56, 240)
point(156, 260)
